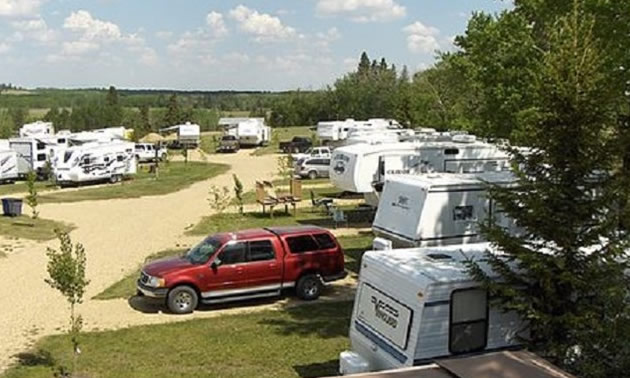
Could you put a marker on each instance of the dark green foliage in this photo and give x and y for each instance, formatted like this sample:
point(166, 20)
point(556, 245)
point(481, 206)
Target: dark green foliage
point(565, 273)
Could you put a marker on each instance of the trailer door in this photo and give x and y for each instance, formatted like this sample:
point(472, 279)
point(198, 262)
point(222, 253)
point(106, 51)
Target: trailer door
point(24, 156)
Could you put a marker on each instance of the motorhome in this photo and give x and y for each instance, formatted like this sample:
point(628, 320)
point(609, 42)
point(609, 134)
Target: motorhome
point(439, 208)
point(252, 133)
point(414, 306)
point(36, 129)
point(94, 162)
point(357, 168)
point(8, 165)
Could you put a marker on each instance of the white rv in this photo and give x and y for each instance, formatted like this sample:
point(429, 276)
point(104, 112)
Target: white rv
point(414, 306)
point(358, 167)
point(36, 129)
point(188, 135)
point(8, 165)
point(33, 153)
point(93, 162)
point(336, 131)
point(438, 208)
point(378, 136)
point(253, 133)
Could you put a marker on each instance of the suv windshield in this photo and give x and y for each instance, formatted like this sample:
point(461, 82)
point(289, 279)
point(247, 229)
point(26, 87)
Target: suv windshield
point(202, 251)
point(228, 138)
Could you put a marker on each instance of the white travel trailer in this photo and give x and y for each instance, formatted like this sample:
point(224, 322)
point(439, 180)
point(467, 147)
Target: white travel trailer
point(36, 129)
point(94, 162)
point(33, 153)
point(337, 131)
point(438, 208)
point(378, 136)
point(358, 167)
point(8, 165)
point(252, 133)
point(414, 306)
point(188, 135)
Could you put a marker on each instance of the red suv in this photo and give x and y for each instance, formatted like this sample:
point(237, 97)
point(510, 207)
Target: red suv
point(246, 264)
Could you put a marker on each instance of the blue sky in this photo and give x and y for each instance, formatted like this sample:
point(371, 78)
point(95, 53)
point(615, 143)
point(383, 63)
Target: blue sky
point(219, 44)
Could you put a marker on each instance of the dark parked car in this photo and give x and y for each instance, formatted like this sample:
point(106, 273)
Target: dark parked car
point(296, 145)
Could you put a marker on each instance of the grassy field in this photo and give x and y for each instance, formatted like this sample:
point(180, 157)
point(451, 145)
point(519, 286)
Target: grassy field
point(302, 341)
point(282, 134)
point(353, 246)
point(25, 227)
point(173, 177)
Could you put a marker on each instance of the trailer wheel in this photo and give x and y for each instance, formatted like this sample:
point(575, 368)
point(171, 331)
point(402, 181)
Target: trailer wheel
point(182, 300)
point(309, 287)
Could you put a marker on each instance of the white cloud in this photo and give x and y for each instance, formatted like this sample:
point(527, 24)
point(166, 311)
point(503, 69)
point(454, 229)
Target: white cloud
point(422, 38)
point(263, 26)
point(91, 28)
point(79, 47)
point(215, 22)
point(17, 8)
point(363, 10)
point(164, 35)
point(4, 47)
point(35, 29)
point(236, 58)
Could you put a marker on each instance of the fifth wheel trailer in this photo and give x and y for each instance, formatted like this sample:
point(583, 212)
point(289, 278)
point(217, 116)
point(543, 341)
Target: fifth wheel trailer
point(414, 306)
point(439, 208)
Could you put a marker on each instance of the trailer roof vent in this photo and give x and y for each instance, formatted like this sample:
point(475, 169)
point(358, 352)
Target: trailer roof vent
point(440, 256)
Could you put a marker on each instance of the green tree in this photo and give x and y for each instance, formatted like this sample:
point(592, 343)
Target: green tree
point(113, 112)
point(219, 199)
point(238, 192)
point(32, 198)
point(66, 271)
point(564, 274)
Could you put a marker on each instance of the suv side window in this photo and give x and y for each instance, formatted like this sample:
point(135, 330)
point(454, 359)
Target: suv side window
point(234, 254)
point(326, 162)
point(261, 250)
point(302, 244)
point(324, 241)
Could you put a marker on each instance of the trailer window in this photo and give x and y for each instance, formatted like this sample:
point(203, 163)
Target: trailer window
point(41, 146)
point(325, 241)
point(463, 213)
point(41, 157)
point(468, 325)
point(120, 158)
point(451, 151)
point(261, 250)
point(302, 244)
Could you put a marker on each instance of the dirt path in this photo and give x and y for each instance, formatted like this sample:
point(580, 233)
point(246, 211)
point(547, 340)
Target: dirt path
point(117, 235)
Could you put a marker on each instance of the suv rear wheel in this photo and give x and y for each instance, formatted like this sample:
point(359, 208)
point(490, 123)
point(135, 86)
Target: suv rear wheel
point(312, 175)
point(309, 287)
point(182, 300)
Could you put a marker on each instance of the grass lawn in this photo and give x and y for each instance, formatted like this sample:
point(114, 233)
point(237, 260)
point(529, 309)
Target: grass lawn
point(173, 177)
point(34, 229)
point(282, 134)
point(353, 246)
point(20, 187)
point(297, 341)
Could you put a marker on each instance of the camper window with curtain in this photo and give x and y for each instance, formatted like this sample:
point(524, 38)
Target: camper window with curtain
point(468, 325)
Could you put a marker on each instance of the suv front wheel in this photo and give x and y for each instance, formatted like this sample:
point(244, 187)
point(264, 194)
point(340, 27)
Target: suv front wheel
point(182, 300)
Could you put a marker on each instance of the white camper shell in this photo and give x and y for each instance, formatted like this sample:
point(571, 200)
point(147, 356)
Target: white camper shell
point(438, 208)
point(188, 134)
point(414, 306)
point(8, 165)
point(358, 167)
point(93, 162)
point(36, 129)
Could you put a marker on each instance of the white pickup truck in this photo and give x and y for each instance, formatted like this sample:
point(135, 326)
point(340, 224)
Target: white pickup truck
point(313, 152)
point(146, 152)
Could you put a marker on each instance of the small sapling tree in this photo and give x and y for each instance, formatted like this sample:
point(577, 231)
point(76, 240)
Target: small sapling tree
point(219, 199)
point(238, 193)
point(32, 197)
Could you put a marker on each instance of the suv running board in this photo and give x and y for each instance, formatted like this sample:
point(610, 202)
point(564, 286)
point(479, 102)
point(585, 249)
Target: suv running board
point(241, 297)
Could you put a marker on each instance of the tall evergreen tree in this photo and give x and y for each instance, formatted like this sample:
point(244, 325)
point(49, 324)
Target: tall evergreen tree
point(564, 273)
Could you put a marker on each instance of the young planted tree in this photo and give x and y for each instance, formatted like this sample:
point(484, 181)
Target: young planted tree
point(32, 197)
point(66, 271)
point(219, 199)
point(564, 273)
point(238, 193)
point(285, 167)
